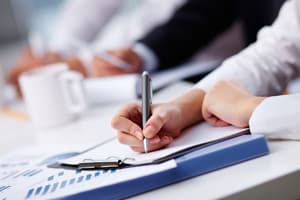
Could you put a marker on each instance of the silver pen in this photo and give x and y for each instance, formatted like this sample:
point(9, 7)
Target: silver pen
point(115, 61)
point(146, 103)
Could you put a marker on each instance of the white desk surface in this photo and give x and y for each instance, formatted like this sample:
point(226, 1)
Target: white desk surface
point(275, 176)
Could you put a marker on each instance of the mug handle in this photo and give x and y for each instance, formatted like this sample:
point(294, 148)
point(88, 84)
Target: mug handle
point(73, 91)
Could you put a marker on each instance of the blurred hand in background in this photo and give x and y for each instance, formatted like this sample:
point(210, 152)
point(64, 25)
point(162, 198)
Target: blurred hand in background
point(101, 67)
point(29, 61)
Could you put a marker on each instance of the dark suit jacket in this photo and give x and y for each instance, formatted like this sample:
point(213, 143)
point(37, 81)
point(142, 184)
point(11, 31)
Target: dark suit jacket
point(198, 22)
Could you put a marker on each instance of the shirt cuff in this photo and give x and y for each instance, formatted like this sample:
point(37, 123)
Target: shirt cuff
point(149, 59)
point(274, 121)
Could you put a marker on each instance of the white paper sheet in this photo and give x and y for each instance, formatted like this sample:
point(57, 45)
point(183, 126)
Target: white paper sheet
point(198, 134)
point(124, 87)
point(111, 89)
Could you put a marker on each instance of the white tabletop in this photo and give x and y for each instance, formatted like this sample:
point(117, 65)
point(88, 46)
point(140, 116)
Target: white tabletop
point(275, 176)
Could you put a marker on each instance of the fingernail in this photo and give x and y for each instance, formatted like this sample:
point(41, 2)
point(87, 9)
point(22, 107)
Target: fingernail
point(149, 131)
point(139, 135)
point(155, 140)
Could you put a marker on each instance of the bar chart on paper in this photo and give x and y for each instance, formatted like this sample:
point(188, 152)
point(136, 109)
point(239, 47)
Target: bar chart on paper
point(34, 180)
point(14, 172)
point(16, 176)
point(10, 179)
point(64, 179)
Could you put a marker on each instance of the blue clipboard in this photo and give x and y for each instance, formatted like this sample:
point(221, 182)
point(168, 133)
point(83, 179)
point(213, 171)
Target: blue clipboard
point(201, 161)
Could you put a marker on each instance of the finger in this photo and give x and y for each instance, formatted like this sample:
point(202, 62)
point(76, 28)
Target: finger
point(125, 125)
point(75, 64)
point(164, 141)
point(211, 118)
point(122, 121)
point(14, 74)
point(128, 56)
point(154, 124)
point(125, 138)
point(102, 72)
point(11, 76)
point(102, 68)
point(221, 123)
point(103, 64)
point(215, 121)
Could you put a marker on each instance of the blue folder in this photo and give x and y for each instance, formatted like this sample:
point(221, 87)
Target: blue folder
point(204, 160)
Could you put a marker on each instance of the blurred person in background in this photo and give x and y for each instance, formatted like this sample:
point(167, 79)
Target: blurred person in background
point(193, 26)
point(245, 91)
point(94, 24)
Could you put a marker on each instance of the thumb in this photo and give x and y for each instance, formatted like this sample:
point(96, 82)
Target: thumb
point(155, 124)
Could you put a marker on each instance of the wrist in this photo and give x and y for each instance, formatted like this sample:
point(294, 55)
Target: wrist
point(190, 106)
point(250, 106)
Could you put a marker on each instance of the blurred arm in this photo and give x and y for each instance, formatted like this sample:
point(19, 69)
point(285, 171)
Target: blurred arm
point(264, 69)
point(193, 26)
point(81, 20)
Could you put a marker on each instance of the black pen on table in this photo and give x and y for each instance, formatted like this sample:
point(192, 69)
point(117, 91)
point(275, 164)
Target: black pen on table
point(146, 104)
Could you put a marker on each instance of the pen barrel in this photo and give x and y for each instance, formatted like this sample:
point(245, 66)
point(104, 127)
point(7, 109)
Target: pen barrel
point(146, 98)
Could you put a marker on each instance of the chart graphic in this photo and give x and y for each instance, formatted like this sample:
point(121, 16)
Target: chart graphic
point(61, 181)
point(16, 174)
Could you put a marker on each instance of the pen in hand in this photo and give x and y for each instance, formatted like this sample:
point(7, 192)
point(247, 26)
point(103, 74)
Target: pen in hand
point(146, 104)
point(88, 52)
point(115, 61)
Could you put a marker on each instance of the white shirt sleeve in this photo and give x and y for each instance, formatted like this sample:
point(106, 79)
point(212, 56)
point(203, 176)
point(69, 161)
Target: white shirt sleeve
point(277, 117)
point(81, 20)
point(266, 67)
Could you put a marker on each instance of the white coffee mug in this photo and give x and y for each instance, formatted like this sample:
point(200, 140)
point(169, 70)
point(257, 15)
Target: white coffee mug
point(53, 95)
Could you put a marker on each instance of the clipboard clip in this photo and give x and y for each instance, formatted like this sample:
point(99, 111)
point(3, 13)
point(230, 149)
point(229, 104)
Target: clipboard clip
point(109, 163)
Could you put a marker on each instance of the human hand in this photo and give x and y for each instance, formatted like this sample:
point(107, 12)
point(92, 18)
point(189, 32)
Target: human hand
point(166, 122)
point(29, 62)
point(228, 103)
point(101, 68)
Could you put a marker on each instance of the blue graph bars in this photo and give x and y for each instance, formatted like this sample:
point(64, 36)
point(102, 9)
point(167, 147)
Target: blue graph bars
point(46, 189)
point(54, 187)
point(28, 173)
point(2, 188)
point(72, 181)
point(50, 188)
point(29, 193)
